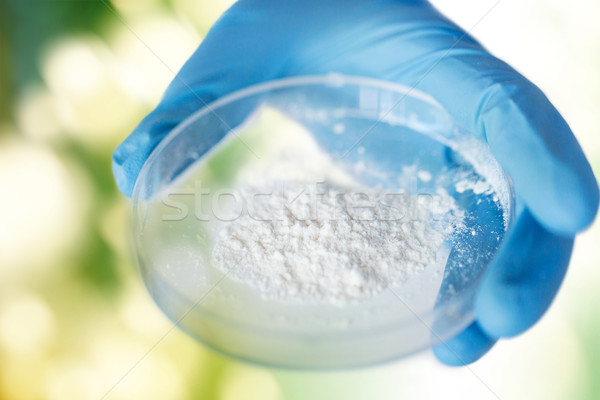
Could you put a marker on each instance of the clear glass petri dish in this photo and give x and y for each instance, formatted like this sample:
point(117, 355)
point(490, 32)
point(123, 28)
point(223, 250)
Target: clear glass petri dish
point(380, 134)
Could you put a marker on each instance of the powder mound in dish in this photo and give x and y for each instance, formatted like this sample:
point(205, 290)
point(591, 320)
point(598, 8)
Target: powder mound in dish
point(330, 243)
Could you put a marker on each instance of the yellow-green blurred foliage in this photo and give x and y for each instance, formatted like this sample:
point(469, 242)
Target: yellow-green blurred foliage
point(75, 320)
point(74, 315)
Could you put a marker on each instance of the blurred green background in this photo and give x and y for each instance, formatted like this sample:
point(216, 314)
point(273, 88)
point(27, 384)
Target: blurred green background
point(75, 320)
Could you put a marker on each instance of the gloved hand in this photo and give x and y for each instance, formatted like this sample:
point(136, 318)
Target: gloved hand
point(409, 42)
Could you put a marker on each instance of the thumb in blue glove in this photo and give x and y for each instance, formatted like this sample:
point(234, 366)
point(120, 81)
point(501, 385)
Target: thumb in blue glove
point(410, 43)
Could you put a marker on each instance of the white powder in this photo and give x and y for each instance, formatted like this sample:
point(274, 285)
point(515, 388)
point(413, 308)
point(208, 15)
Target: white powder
point(479, 186)
point(331, 244)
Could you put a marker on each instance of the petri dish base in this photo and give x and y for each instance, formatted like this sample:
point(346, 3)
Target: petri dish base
point(379, 134)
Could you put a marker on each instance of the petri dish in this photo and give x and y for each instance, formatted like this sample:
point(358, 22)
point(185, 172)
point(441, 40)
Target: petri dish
point(379, 135)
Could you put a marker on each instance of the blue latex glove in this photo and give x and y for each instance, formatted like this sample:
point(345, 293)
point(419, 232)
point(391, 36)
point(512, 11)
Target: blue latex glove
point(410, 43)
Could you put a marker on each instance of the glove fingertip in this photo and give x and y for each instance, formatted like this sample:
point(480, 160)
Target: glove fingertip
point(122, 178)
point(465, 348)
point(127, 162)
point(537, 148)
point(501, 312)
point(571, 207)
point(508, 310)
point(523, 279)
